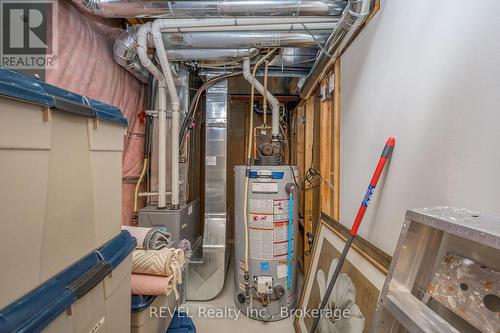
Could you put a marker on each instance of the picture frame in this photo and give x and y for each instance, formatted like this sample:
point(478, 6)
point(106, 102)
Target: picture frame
point(357, 288)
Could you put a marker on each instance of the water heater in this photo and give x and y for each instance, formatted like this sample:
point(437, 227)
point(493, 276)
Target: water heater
point(266, 289)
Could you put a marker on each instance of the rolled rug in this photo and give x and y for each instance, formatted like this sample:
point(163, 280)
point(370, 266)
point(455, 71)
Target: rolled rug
point(155, 238)
point(143, 284)
point(164, 262)
point(162, 268)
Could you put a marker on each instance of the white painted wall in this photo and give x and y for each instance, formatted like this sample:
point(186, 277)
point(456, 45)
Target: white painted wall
point(427, 72)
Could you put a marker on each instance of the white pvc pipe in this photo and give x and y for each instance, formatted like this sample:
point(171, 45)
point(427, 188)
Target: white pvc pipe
point(162, 145)
point(275, 104)
point(142, 52)
point(168, 24)
point(174, 98)
point(259, 27)
point(151, 194)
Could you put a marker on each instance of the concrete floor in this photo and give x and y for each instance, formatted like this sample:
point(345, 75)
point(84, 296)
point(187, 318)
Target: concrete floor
point(224, 303)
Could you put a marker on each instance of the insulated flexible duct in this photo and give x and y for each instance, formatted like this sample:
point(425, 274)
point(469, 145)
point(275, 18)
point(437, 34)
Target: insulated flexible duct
point(125, 53)
point(354, 15)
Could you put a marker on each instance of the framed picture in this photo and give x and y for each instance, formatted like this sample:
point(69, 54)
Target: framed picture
point(352, 303)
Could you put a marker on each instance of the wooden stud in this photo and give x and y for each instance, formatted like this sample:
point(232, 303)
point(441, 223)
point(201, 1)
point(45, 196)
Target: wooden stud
point(308, 162)
point(300, 152)
point(325, 125)
point(316, 165)
point(336, 142)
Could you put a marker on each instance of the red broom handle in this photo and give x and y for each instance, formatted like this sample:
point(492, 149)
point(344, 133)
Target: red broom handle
point(386, 153)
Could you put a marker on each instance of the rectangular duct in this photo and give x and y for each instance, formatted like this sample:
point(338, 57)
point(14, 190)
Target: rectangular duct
point(206, 277)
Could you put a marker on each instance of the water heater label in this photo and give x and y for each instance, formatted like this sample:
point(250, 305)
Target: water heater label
point(258, 187)
point(282, 270)
point(211, 160)
point(261, 206)
point(261, 221)
point(261, 240)
point(264, 173)
point(280, 232)
point(281, 207)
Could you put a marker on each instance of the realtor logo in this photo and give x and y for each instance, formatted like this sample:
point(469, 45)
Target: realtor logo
point(29, 34)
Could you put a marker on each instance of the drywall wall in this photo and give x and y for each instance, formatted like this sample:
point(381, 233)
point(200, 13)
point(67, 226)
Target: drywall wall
point(427, 72)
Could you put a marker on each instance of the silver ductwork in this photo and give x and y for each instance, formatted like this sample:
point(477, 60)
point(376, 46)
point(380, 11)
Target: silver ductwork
point(207, 46)
point(125, 53)
point(354, 15)
point(205, 279)
point(159, 8)
point(242, 39)
point(210, 54)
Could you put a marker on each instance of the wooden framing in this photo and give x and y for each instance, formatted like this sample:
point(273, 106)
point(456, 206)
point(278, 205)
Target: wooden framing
point(326, 154)
point(317, 124)
point(309, 162)
point(336, 142)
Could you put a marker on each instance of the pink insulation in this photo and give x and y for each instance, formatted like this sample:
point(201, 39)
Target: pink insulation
point(86, 66)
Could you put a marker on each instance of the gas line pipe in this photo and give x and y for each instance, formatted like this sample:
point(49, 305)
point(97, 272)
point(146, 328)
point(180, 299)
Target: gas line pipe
point(386, 154)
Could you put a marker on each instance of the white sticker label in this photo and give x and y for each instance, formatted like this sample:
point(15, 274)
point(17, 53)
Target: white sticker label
point(261, 221)
point(262, 243)
point(281, 218)
point(264, 173)
point(97, 326)
point(281, 206)
point(265, 187)
point(190, 210)
point(280, 232)
point(261, 206)
point(282, 270)
point(211, 160)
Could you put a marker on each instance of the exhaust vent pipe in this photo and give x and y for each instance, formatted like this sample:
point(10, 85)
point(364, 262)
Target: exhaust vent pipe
point(217, 8)
point(275, 104)
point(354, 15)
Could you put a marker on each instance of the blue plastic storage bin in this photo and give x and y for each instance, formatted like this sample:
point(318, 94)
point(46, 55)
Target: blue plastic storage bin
point(181, 323)
point(87, 284)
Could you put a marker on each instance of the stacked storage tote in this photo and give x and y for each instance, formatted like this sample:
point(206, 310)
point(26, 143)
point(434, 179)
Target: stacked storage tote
point(61, 158)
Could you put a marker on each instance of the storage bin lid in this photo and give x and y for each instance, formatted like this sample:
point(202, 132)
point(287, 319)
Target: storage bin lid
point(18, 86)
point(141, 302)
point(35, 310)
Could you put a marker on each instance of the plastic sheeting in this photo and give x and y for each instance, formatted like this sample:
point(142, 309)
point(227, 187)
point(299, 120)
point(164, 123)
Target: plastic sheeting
point(86, 66)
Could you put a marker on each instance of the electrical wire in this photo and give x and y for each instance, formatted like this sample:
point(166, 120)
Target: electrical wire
point(196, 99)
point(310, 175)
